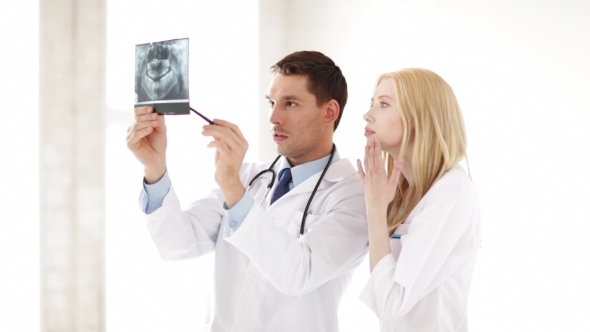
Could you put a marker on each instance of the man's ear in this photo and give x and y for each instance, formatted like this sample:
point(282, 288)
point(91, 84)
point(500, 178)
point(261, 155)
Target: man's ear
point(332, 111)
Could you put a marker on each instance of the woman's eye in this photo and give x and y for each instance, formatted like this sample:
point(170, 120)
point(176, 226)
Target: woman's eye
point(271, 104)
point(291, 104)
point(383, 105)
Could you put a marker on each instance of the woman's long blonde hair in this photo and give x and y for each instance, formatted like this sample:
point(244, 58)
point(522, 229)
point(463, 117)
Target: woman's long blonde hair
point(430, 113)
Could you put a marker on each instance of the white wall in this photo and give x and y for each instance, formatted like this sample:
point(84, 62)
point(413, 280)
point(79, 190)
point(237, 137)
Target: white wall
point(520, 71)
point(19, 159)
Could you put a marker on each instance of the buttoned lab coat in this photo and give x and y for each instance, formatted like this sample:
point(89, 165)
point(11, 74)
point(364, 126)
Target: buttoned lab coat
point(267, 278)
point(423, 284)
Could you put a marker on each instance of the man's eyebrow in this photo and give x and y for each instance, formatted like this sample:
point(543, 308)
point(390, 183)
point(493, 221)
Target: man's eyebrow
point(285, 97)
point(291, 98)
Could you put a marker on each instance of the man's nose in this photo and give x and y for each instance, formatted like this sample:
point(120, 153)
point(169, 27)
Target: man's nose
point(275, 117)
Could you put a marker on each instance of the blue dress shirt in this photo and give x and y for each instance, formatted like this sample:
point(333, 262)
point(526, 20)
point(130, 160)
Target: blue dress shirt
point(157, 191)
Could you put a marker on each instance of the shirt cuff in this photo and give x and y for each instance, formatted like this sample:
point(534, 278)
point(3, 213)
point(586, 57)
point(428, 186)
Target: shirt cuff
point(238, 212)
point(156, 193)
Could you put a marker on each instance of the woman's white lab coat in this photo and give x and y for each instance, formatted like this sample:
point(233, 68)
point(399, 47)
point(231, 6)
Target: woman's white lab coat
point(423, 284)
point(267, 278)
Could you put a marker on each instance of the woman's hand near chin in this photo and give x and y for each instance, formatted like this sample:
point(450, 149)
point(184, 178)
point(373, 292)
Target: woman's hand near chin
point(379, 192)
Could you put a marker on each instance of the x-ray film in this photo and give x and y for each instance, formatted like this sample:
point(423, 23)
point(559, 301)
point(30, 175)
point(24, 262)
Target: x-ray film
point(161, 76)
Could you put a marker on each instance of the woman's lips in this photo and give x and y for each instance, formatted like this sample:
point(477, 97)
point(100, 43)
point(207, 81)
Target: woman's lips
point(368, 132)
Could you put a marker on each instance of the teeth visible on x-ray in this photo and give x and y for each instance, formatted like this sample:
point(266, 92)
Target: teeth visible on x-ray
point(160, 84)
point(158, 68)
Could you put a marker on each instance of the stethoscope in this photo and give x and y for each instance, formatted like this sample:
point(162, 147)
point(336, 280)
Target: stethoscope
point(272, 182)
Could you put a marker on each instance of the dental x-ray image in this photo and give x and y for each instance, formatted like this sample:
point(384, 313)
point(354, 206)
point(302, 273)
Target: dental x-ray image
point(161, 76)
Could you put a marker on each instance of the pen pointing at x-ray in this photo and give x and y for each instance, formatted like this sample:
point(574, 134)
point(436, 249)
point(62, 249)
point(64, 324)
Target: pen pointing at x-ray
point(202, 116)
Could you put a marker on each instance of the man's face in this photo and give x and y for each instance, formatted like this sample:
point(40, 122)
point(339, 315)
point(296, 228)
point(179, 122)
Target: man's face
point(298, 124)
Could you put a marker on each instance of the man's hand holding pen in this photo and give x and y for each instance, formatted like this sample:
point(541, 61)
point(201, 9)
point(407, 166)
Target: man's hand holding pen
point(231, 149)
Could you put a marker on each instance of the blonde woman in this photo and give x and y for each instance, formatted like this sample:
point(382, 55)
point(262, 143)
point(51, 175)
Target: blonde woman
point(422, 209)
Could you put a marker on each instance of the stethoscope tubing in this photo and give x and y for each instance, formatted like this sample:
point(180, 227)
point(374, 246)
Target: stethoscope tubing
point(272, 181)
point(315, 190)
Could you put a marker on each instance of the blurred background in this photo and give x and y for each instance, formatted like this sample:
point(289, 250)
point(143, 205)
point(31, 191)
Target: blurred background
point(75, 254)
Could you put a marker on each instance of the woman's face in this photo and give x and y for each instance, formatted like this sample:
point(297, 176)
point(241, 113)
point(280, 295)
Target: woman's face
point(384, 123)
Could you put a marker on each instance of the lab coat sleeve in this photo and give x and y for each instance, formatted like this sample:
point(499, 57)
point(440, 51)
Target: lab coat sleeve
point(186, 234)
point(441, 237)
point(183, 234)
point(334, 245)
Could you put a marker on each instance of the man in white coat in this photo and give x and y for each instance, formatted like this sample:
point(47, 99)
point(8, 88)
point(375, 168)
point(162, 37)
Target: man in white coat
point(271, 274)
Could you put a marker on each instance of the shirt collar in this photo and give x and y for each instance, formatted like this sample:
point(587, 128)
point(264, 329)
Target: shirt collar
point(303, 172)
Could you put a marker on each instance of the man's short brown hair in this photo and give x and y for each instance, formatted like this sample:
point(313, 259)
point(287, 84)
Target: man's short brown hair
point(325, 79)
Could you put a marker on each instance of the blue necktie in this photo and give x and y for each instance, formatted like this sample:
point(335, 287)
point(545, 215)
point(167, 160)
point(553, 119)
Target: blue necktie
point(283, 185)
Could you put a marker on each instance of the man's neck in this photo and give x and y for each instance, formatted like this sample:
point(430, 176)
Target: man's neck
point(317, 154)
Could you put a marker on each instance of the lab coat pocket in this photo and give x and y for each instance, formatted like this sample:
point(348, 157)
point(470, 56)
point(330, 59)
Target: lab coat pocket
point(397, 238)
point(294, 227)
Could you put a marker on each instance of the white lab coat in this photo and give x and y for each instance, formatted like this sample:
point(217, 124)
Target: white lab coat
point(423, 284)
point(267, 278)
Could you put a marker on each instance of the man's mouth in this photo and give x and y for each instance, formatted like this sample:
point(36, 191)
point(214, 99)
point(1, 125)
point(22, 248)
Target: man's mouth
point(277, 137)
